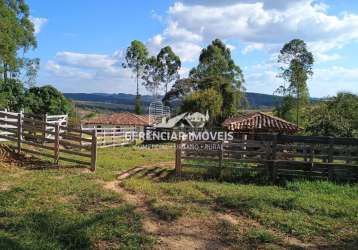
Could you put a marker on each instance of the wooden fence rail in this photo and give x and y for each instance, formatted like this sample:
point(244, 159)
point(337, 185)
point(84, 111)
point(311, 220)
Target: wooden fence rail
point(64, 144)
point(113, 137)
point(276, 156)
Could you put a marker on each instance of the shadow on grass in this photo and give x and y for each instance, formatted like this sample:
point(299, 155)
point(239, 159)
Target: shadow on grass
point(114, 227)
point(211, 174)
point(9, 157)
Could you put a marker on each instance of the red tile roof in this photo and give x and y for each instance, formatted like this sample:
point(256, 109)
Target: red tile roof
point(149, 119)
point(259, 121)
point(124, 118)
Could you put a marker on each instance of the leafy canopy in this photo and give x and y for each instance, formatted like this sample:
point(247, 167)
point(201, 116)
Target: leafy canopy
point(136, 59)
point(296, 68)
point(336, 116)
point(47, 100)
point(161, 70)
point(169, 64)
point(216, 79)
point(16, 33)
point(215, 60)
point(16, 38)
point(12, 95)
point(152, 76)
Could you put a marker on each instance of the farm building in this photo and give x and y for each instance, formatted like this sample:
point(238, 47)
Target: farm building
point(124, 121)
point(184, 120)
point(260, 122)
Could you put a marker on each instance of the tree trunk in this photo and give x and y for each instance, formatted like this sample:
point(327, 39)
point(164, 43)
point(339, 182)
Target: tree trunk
point(297, 105)
point(5, 73)
point(137, 82)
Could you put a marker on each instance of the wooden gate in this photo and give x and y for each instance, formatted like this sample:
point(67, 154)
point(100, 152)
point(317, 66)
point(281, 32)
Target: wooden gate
point(65, 144)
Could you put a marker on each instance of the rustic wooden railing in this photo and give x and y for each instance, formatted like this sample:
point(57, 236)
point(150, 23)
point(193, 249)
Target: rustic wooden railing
point(113, 137)
point(53, 119)
point(276, 156)
point(65, 144)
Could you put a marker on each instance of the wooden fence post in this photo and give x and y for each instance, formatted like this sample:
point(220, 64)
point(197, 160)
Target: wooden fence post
point(19, 132)
point(272, 164)
point(57, 143)
point(94, 150)
point(44, 128)
point(221, 155)
point(81, 134)
point(330, 159)
point(178, 159)
point(312, 154)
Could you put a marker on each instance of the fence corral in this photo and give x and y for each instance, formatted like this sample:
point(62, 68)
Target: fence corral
point(62, 120)
point(113, 137)
point(276, 156)
point(5, 119)
point(63, 144)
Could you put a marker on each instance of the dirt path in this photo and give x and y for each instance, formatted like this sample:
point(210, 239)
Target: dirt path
point(183, 233)
point(189, 233)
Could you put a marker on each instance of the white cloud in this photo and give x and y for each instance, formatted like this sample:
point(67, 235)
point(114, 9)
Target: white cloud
point(156, 16)
point(95, 61)
point(89, 72)
point(38, 22)
point(264, 24)
point(156, 40)
point(268, 4)
point(251, 47)
point(329, 81)
point(322, 57)
point(67, 72)
point(263, 78)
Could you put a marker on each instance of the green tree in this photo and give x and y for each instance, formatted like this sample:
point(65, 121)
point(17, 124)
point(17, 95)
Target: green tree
point(297, 64)
point(204, 100)
point(138, 105)
point(152, 76)
point(169, 64)
point(336, 116)
point(136, 59)
point(217, 71)
point(47, 100)
point(216, 60)
point(30, 69)
point(12, 95)
point(16, 35)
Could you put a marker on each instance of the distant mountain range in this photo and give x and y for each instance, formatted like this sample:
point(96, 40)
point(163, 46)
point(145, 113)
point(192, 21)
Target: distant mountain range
point(125, 102)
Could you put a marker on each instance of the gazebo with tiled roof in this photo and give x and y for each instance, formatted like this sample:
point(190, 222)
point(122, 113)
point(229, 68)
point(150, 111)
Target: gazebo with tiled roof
point(260, 122)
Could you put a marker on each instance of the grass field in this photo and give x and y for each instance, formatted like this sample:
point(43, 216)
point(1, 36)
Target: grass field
point(70, 208)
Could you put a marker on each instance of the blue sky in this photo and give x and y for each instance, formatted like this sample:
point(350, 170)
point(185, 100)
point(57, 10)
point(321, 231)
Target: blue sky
point(81, 43)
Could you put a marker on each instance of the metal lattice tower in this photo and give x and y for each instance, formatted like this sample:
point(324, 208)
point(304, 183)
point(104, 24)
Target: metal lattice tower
point(157, 110)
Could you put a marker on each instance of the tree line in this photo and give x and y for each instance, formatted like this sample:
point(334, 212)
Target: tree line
point(18, 73)
point(155, 71)
point(216, 85)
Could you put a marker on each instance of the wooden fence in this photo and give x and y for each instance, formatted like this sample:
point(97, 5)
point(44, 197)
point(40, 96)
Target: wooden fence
point(65, 144)
point(62, 120)
point(5, 119)
point(113, 137)
point(276, 156)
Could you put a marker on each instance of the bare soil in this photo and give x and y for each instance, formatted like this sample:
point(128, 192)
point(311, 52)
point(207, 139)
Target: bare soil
point(193, 233)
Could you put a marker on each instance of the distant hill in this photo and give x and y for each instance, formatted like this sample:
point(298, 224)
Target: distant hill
point(125, 102)
point(120, 98)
